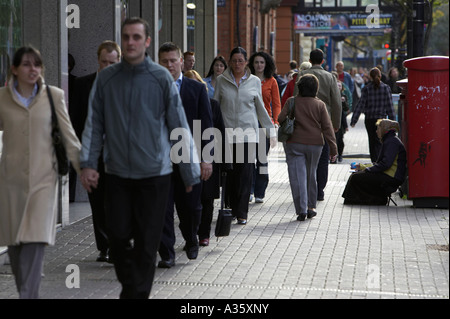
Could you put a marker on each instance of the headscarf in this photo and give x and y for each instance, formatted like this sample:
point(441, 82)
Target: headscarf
point(388, 125)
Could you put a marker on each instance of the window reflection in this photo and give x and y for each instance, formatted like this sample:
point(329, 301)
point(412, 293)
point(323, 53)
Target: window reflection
point(10, 34)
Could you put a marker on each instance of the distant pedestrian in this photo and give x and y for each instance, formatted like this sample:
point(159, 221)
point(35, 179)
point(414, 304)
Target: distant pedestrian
point(375, 103)
point(371, 183)
point(392, 81)
point(108, 53)
point(303, 150)
point(218, 66)
point(188, 205)
point(240, 98)
point(262, 65)
point(344, 76)
point(211, 187)
point(134, 130)
point(28, 168)
point(188, 61)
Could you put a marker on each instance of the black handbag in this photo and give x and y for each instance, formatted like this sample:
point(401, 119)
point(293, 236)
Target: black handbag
point(286, 128)
point(223, 225)
point(57, 138)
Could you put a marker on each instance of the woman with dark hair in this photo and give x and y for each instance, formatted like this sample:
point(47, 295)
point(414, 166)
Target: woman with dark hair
point(218, 66)
point(28, 168)
point(375, 103)
point(262, 65)
point(303, 149)
point(240, 98)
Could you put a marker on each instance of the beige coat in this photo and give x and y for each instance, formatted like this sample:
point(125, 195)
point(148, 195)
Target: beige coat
point(28, 179)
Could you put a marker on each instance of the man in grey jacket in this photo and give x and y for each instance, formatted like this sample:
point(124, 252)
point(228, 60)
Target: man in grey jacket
point(133, 108)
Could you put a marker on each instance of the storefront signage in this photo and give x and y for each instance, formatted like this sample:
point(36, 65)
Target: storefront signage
point(339, 23)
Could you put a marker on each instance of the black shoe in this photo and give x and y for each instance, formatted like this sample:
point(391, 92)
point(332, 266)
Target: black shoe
point(311, 214)
point(242, 221)
point(301, 217)
point(192, 252)
point(103, 257)
point(166, 263)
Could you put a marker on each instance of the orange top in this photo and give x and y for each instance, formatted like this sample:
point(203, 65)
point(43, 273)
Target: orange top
point(271, 98)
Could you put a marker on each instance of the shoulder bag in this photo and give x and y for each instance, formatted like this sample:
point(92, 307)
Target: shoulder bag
point(60, 151)
point(286, 128)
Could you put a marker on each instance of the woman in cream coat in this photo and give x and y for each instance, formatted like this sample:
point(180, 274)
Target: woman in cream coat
point(28, 176)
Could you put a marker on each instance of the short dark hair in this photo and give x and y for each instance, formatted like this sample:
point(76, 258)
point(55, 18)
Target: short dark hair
point(308, 85)
point(270, 68)
point(169, 47)
point(137, 20)
point(316, 56)
point(18, 56)
point(238, 50)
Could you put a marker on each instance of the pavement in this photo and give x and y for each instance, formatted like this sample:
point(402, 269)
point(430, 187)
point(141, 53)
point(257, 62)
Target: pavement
point(346, 252)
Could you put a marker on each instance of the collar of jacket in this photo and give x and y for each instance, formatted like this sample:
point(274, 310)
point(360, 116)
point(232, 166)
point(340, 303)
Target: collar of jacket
point(143, 66)
point(227, 75)
point(389, 134)
point(40, 82)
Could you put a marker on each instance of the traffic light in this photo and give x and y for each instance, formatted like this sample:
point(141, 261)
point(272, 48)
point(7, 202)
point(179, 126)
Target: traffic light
point(386, 46)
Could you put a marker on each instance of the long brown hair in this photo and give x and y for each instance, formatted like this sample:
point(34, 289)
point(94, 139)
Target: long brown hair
point(375, 75)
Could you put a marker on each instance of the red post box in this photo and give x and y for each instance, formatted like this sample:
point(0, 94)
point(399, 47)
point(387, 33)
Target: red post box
point(428, 135)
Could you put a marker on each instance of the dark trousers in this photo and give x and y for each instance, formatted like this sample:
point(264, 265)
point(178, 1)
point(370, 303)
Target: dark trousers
point(374, 141)
point(204, 229)
point(322, 171)
point(239, 179)
point(261, 173)
point(27, 261)
point(189, 210)
point(135, 211)
point(340, 141)
point(97, 202)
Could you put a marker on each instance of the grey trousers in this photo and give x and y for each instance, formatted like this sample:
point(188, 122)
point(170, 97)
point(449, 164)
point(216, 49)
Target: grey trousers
point(302, 161)
point(27, 262)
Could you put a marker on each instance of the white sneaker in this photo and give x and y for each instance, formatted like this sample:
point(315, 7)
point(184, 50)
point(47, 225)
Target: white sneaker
point(251, 198)
point(259, 200)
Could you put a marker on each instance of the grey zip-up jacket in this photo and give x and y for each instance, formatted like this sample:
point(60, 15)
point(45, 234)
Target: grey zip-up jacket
point(242, 108)
point(132, 112)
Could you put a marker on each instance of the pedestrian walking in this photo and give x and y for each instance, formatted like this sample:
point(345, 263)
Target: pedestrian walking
point(108, 53)
point(375, 103)
point(134, 107)
point(240, 98)
point(304, 147)
point(188, 61)
point(211, 187)
point(330, 95)
point(218, 66)
point(189, 207)
point(262, 65)
point(373, 183)
point(28, 168)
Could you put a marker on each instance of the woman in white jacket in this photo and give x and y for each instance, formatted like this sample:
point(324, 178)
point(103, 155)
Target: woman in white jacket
point(240, 98)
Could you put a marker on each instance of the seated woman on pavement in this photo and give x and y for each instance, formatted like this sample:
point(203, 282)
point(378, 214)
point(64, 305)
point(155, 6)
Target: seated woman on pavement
point(373, 183)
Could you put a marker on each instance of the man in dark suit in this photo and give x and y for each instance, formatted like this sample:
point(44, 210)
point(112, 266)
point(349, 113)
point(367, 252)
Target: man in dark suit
point(189, 208)
point(108, 53)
